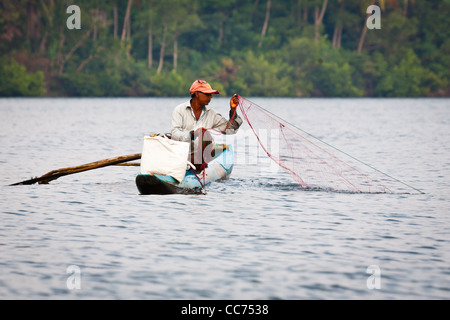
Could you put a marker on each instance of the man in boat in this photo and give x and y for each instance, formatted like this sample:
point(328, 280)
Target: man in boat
point(192, 119)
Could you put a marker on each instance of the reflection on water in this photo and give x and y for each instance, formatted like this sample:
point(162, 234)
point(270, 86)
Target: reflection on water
point(257, 235)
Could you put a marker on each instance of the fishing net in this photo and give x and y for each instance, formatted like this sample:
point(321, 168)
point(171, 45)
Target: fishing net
point(313, 163)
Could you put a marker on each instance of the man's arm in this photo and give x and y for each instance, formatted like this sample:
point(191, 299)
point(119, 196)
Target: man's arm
point(228, 126)
point(235, 121)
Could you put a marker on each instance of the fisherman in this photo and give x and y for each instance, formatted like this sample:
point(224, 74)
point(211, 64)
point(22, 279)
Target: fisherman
point(192, 119)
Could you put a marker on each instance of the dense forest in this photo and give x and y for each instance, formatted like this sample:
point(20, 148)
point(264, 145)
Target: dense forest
point(297, 48)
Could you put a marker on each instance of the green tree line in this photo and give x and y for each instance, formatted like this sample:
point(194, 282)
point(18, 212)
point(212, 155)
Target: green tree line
point(297, 48)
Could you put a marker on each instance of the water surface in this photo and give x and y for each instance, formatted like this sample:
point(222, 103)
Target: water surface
point(257, 235)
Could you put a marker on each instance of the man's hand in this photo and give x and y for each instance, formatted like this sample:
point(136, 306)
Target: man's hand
point(234, 101)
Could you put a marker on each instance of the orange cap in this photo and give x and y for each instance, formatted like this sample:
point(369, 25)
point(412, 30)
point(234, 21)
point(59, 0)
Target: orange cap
point(202, 86)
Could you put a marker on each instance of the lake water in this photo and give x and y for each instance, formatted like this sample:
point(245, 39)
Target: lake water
point(257, 235)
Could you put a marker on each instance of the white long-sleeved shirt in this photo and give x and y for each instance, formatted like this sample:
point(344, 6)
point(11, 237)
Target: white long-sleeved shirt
point(183, 122)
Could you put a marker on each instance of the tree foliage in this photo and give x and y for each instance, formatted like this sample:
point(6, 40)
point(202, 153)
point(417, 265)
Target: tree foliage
point(299, 48)
point(16, 81)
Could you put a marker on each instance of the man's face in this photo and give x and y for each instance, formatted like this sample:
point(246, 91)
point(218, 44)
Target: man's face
point(204, 98)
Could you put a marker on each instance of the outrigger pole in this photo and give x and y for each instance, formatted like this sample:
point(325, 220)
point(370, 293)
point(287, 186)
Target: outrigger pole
point(55, 174)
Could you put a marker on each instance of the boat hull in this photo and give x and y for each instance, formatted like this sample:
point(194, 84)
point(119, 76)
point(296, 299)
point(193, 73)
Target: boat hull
point(218, 169)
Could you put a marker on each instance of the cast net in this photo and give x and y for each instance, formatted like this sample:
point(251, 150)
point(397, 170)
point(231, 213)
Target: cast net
point(313, 163)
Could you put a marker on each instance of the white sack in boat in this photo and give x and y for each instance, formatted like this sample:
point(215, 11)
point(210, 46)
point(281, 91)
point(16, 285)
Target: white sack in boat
point(164, 156)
